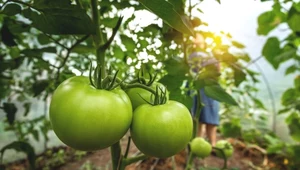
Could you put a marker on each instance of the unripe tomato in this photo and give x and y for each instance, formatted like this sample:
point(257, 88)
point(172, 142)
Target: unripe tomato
point(200, 147)
point(86, 118)
point(137, 95)
point(161, 130)
point(226, 147)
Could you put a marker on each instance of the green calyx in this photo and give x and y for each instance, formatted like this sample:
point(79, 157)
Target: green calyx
point(110, 82)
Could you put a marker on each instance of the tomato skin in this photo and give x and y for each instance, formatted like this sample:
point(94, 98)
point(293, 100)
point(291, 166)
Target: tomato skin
point(86, 118)
point(136, 93)
point(226, 147)
point(161, 130)
point(200, 147)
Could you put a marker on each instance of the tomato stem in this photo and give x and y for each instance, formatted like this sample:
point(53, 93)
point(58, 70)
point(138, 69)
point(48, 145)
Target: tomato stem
point(115, 151)
point(189, 165)
point(223, 156)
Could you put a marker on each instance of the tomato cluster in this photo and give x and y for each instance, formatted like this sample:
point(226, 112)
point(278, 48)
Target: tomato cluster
point(86, 118)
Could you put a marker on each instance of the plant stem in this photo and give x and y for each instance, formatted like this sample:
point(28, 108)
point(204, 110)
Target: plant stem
point(98, 37)
point(223, 156)
point(115, 151)
point(189, 165)
point(195, 128)
point(138, 85)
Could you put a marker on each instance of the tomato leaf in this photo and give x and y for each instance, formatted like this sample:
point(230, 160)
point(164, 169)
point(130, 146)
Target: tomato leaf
point(21, 147)
point(60, 18)
point(293, 19)
point(10, 109)
point(293, 122)
point(168, 14)
point(218, 93)
point(11, 9)
point(270, 50)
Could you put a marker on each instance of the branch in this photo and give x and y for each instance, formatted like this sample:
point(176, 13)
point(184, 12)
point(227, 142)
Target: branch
point(68, 54)
point(23, 3)
point(56, 41)
point(111, 38)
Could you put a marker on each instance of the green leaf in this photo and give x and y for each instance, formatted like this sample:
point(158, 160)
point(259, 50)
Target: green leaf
point(39, 86)
point(293, 122)
point(11, 9)
point(171, 82)
point(272, 49)
point(168, 14)
point(21, 147)
point(178, 5)
point(10, 109)
point(26, 108)
point(288, 97)
point(239, 76)
point(293, 19)
point(297, 83)
point(176, 67)
point(285, 55)
point(38, 51)
point(110, 22)
point(84, 49)
point(218, 93)
point(237, 44)
point(6, 36)
point(232, 128)
point(61, 20)
point(177, 95)
point(267, 21)
point(128, 42)
point(118, 52)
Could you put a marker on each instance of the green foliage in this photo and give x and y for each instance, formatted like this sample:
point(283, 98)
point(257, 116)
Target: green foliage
point(21, 147)
point(166, 11)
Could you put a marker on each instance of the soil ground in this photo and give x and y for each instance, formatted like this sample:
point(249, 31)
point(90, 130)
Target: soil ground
point(244, 158)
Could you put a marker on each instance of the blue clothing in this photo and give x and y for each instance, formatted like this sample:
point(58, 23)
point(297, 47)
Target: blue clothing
point(209, 112)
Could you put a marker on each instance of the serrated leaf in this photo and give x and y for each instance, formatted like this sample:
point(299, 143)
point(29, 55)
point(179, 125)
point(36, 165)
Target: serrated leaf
point(10, 109)
point(128, 42)
point(218, 93)
point(61, 20)
point(272, 49)
point(21, 147)
point(168, 14)
point(11, 9)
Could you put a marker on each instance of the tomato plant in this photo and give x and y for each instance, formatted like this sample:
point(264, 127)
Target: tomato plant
point(161, 130)
point(139, 95)
point(200, 147)
point(226, 147)
point(87, 118)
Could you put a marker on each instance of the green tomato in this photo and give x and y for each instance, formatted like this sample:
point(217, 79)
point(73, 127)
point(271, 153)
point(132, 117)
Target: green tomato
point(86, 118)
point(139, 95)
point(226, 147)
point(200, 147)
point(161, 130)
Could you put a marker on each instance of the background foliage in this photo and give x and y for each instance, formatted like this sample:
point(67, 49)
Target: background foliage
point(45, 42)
